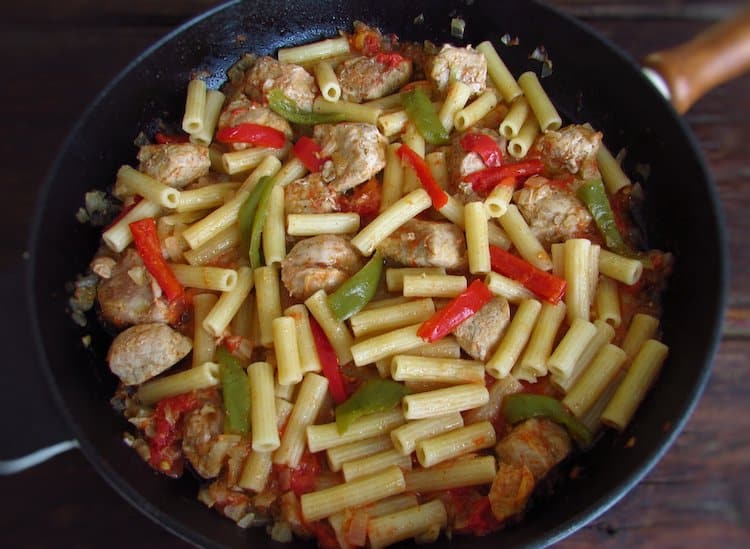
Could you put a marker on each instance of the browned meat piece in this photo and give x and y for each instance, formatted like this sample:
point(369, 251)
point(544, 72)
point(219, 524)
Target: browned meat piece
point(310, 195)
point(292, 80)
point(538, 444)
point(554, 214)
point(462, 163)
point(463, 64)
point(479, 334)
point(146, 350)
point(426, 244)
point(357, 153)
point(174, 164)
point(243, 111)
point(572, 148)
point(510, 490)
point(526, 454)
point(323, 261)
point(203, 442)
point(365, 78)
point(127, 296)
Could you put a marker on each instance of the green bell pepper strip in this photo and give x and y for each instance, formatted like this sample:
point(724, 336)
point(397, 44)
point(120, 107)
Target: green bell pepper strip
point(357, 292)
point(288, 109)
point(235, 391)
point(374, 395)
point(259, 220)
point(593, 195)
point(247, 213)
point(421, 112)
point(522, 406)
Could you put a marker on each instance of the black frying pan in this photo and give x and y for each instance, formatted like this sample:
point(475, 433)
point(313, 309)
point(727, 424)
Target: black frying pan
point(591, 81)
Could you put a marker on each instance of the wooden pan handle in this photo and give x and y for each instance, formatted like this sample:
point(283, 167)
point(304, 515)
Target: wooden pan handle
point(716, 55)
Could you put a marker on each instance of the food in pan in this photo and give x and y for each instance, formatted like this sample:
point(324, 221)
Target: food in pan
point(374, 290)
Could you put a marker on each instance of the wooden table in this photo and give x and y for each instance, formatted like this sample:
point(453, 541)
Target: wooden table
point(57, 55)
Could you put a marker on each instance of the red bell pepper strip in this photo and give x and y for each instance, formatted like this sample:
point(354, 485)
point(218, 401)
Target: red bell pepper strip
point(439, 196)
point(165, 139)
point(264, 136)
point(364, 200)
point(329, 362)
point(454, 313)
point(309, 153)
point(147, 243)
point(484, 146)
point(485, 180)
point(543, 284)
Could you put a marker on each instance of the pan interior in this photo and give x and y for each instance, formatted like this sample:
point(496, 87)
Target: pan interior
point(590, 82)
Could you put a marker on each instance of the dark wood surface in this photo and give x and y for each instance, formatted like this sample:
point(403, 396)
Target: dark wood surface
point(57, 55)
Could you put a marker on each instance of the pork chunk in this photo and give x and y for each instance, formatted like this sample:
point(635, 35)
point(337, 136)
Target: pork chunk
point(146, 350)
point(174, 164)
point(463, 64)
point(572, 148)
point(310, 195)
point(292, 80)
point(203, 442)
point(511, 489)
point(426, 244)
point(127, 296)
point(357, 152)
point(479, 334)
point(525, 455)
point(538, 444)
point(243, 111)
point(365, 78)
point(554, 214)
point(320, 262)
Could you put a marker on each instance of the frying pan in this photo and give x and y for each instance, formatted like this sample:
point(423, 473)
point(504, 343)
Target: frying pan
point(631, 114)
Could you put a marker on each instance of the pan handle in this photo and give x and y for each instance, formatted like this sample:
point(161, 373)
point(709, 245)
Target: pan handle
point(690, 70)
point(33, 429)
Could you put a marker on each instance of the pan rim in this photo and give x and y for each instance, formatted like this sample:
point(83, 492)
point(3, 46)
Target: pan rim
point(564, 529)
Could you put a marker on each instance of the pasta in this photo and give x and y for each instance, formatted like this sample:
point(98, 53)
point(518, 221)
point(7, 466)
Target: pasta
point(499, 73)
point(330, 47)
point(406, 437)
point(211, 112)
point(263, 407)
point(443, 401)
point(339, 455)
point(513, 121)
point(433, 285)
point(132, 182)
point(327, 81)
point(501, 363)
point(312, 224)
point(195, 106)
point(523, 239)
point(475, 111)
point(229, 303)
point(631, 391)
point(477, 238)
point(453, 444)
point(455, 99)
point(540, 104)
point(334, 340)
point(391, 219)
